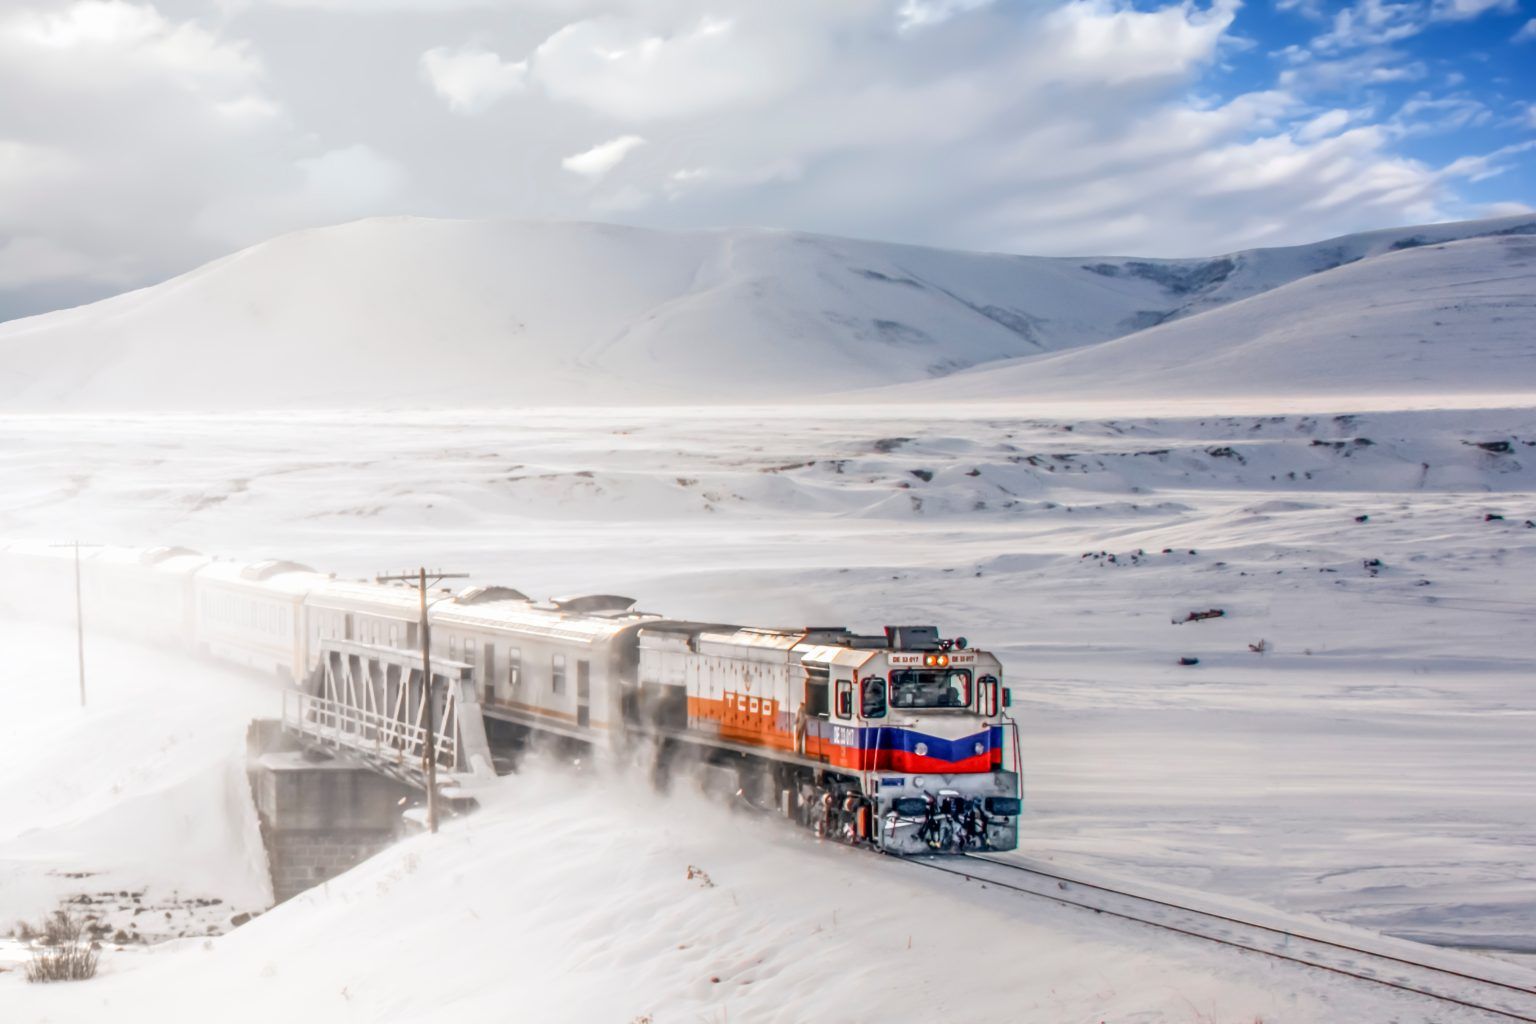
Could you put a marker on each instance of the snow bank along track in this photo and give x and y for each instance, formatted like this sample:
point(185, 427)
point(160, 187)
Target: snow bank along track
point(1503, 999)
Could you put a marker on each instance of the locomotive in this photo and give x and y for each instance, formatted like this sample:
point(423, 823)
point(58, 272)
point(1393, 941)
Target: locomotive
point(896, 740)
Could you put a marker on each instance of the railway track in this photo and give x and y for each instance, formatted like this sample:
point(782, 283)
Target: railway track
point(1500, 999)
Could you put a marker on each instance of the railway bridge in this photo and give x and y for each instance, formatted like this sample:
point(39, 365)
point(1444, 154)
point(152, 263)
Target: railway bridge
point(354, 745)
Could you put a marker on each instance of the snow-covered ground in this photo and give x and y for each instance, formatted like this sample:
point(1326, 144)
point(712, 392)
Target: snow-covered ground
point(567, 897)
point(1372, 767)
point(1372, 532)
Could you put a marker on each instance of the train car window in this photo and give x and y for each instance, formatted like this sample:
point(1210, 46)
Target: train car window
point(347, 626)
point(453, 648)
point(514, 667)
point(469, 653)
point(557, 674)
point(844, 698)
point(394, 635)
point(931, 688)
point(873, 697)
point(411, 638)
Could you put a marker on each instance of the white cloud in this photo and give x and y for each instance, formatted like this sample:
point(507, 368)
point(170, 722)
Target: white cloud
point(1424, 114)
point(1371, 67)
point(1323, 125)
point(1487, 165)
point(1372, 23)
point(919, 14)
point(624, 68)
point(1527, 32)
point(471, 79)
point(143, 142)
point(594, 163)
point(1383, 22)
point(101, 37)
point(33, 260)
point(1100, 40)
point(338, 185)
point(1464, 10)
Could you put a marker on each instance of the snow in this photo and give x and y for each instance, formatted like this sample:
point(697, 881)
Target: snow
point(1438, 320)
point(567, 897)
point(142, 791)
point(405, 312)
point(1371, 769)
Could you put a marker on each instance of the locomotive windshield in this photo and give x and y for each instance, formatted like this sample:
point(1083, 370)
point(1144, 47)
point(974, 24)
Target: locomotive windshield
point(930, 688)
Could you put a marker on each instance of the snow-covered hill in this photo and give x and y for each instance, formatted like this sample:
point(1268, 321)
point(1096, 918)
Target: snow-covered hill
point(410, 312)
point(1456, 318)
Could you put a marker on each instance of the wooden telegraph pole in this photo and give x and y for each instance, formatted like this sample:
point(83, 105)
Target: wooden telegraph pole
point(79, 620)
point(429, 744)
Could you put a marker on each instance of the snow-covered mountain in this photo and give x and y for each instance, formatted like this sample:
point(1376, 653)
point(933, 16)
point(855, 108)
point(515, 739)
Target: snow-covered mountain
point(1446, 319)
point(411, 312)
point(417, 312)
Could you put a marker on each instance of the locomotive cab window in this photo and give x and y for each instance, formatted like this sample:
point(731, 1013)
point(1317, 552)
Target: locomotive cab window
point(931, 688)
point(873, 697)
point(557, 674)
point(844, 698)
point(514, 667)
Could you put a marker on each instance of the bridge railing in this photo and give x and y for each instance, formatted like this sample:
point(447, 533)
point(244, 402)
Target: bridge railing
point(382, 737)
point(369, 700)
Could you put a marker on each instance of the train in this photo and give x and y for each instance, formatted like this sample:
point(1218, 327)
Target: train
point(896, 740)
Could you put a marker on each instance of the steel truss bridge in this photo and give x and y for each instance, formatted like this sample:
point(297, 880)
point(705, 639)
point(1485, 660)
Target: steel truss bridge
point(367, 702)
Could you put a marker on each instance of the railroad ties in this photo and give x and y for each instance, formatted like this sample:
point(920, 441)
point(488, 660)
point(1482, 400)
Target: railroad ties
point(1503, 991)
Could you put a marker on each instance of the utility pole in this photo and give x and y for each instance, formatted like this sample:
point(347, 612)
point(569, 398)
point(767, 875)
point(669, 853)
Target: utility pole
point(79, 619)
point(429, 744)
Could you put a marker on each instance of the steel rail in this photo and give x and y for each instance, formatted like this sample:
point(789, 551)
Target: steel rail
point(1523, 990)
point(1190, 932)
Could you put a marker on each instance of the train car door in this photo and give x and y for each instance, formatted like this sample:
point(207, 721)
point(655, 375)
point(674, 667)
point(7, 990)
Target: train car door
point(583, 693)
point(816, 709)
point(490, 674)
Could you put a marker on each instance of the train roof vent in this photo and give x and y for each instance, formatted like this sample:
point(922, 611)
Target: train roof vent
point(593, 604)
point(271, 567)
point(154, 556)
point(913, 638)
point(485, 595)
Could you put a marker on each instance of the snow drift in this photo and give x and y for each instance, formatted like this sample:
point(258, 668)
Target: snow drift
point(409, 312)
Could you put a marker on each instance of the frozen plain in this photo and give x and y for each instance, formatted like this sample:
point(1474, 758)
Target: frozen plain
point(1372, 767)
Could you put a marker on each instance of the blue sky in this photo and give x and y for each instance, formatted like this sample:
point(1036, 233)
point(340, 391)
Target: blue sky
point(140, 138)
point(1459, 82)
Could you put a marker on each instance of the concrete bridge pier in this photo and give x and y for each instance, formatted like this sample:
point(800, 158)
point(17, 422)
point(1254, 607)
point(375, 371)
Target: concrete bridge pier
point(320, 814)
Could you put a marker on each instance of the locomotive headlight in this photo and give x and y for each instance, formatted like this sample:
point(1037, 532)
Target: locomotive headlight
point(921, 750)
point(943, 660)
point(918, 781)
point(930, 660)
